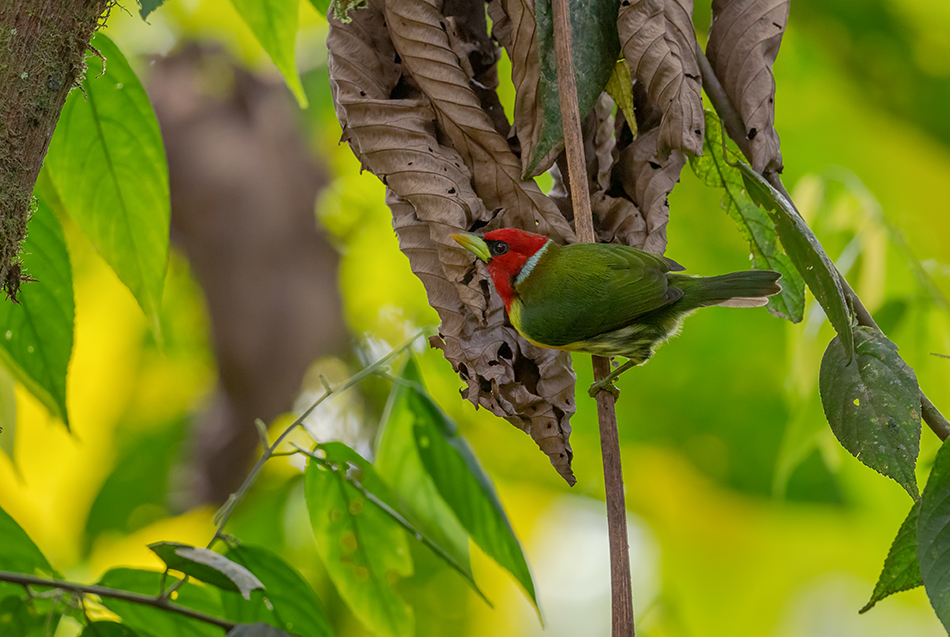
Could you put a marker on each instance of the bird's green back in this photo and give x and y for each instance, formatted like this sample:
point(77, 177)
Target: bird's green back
point(577, 292)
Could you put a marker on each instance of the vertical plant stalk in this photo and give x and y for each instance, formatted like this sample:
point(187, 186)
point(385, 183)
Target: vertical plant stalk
point(621, 594)
point(42, 56)
point(736, 129)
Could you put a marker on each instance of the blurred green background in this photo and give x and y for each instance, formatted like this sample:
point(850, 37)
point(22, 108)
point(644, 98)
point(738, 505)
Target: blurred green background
point(746, 517)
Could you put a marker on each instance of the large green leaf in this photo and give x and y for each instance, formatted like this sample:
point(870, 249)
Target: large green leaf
point(805, 251)
point(872, 403)
point(596, 47)
point(107, 163)
point(155, 622)
point(294, 606)
point(256, 630)
point(18, 553)
point(107, 629)
point(274, 24)
point(901, 570)
point(466, 488)
point(753, 221)
point(19, 618)
point(398, 462)
point(36, 336)
point(362, 547)
point(933, 535)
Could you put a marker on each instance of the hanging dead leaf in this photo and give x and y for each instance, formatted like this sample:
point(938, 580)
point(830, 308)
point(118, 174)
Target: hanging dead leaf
point(418, 31)
point(430, 193)
point(648, 180)
point(743, 43)
point(659, 45)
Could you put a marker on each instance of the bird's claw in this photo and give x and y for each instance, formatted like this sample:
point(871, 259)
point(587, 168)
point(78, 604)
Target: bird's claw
point(605, 384)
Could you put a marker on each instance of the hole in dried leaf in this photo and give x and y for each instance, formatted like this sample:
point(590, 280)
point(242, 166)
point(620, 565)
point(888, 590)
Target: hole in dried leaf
point(776, 25)
point(397, 59)
point(463, 370)
point(654, 165)
point(505, 351)
point(485, 385)
point(752, 134)
point(477, 225)
point(362, 93)
point(468, 277)
point(410, 164)
point(526, 373)
point(493, 363)
point(451, 191)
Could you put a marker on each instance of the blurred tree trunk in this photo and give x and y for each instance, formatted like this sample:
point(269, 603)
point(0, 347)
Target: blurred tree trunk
point(243, 187)
point(42, 51)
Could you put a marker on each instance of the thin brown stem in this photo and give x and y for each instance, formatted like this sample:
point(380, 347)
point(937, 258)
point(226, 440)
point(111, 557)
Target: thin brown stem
point(736, 129)
point(112, 593)
point(622, 598)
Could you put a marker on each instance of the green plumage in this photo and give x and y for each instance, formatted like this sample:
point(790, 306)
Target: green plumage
point(614, 300)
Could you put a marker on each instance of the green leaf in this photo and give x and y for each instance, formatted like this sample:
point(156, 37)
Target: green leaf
point(322, 6)
point(107, 163)
point(207, 566)
point(901, 570)
point(36, 336)
point(135, 493)
point(933, 535)
point(274, 24)
point(18, 553)
point(295, 606)
point(466, 488)
point(363, 549)
point(398, 462)
point(754, 223)
point(872, 403)
point(18, 618)
point(596, 47)
point(147, 6)
point(155, 622)
point(7, 414)
point(107, 629)
point(805, 252)
point(620, 89)
point(256, 630)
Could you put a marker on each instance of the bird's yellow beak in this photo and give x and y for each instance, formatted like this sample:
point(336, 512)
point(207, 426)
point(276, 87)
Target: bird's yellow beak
point(474, 244)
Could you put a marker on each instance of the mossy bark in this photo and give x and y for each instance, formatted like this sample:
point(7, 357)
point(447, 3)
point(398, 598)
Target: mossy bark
point(42, 56)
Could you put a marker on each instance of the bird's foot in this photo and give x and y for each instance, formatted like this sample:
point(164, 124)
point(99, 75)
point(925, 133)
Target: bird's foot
point(607, 382)
point(604, 384)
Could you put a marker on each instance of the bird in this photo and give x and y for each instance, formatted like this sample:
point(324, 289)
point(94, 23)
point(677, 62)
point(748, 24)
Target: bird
point(604, 299)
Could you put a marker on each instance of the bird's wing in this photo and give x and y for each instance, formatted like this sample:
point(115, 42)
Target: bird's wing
point(584, 290)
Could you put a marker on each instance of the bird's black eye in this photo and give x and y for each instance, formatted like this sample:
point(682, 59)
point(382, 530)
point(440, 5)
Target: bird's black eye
point(497, 248)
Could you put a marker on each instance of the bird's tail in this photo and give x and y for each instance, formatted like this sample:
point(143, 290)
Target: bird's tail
point(738, 289)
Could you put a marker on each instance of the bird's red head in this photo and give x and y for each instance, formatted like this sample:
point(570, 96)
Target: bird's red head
point(508, 249)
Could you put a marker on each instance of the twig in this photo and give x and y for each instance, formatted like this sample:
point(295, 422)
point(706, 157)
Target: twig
point(622, 596)
point(128, 596)
point(736, 129)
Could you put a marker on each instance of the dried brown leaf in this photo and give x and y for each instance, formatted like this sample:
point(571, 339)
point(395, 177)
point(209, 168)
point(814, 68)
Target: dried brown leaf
point(743, 43)
point(617, 220)
point(648, 180)
point(659, 44)
point(430, 193)
point(418, 32)
point(514, 27)
point(531, 387)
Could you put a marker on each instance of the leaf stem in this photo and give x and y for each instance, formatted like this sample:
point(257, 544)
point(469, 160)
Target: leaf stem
point(736, 129)
point(622, 596)
point(156, 601)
